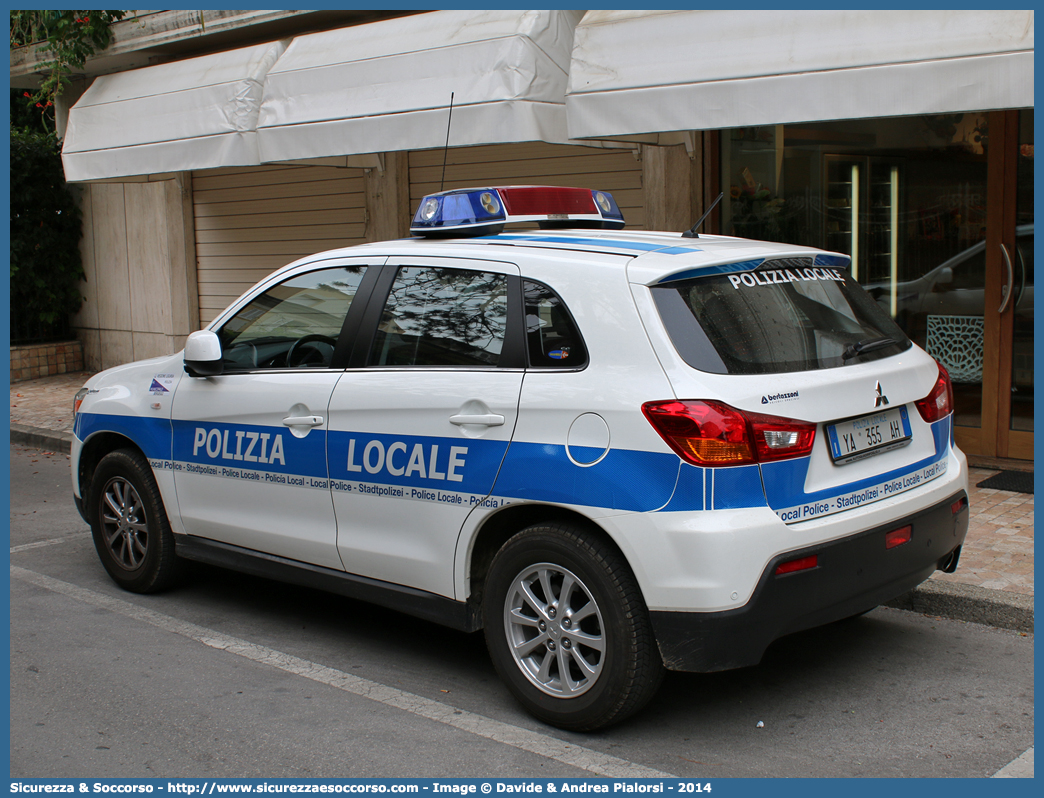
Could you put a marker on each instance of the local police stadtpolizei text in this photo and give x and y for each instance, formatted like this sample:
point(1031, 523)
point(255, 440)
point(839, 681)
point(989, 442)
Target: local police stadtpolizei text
point(864, 496)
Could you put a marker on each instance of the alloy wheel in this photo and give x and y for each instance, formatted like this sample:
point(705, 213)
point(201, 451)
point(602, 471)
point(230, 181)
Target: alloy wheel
point(555, 630)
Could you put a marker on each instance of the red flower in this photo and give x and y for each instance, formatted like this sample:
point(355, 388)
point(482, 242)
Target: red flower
point(26, 94)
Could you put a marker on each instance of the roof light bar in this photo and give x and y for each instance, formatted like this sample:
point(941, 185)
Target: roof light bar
point(485, 211)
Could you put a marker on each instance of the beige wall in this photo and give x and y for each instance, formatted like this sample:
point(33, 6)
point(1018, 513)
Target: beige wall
point(150, 252)
point(140, 291)
point(674, 185)
point(252, 220)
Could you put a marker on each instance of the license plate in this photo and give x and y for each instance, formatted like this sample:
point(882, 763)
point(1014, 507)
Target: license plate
point(869, 435)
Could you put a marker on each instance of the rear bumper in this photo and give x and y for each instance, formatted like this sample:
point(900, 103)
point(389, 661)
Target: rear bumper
point(852, 575)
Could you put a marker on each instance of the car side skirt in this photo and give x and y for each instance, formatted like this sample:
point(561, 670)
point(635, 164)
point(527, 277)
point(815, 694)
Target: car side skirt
point(458, 615)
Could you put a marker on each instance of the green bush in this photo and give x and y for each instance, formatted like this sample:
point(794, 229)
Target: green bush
point(46, 268)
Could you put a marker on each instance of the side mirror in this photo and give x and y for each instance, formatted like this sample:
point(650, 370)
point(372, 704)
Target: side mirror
point(203, 354)
point(944, 280)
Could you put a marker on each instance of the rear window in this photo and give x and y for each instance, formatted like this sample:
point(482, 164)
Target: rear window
point(787, 315)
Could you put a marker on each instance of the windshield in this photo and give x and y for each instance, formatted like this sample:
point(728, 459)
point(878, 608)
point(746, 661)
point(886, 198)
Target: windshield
point(785, 316)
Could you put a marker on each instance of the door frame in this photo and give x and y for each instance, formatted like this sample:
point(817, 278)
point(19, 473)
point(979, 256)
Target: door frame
point(994, 438)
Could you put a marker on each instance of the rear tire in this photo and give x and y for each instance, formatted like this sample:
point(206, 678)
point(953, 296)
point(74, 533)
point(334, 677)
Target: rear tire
point(567, 629)
point(130, 528)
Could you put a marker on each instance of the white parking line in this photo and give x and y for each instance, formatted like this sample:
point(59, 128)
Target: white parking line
point(1020, 768)
point(41, 543)
point(544, 745)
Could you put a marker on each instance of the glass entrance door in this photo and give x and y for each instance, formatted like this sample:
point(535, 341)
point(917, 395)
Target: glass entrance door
point(1006, 428)
point(937, 214)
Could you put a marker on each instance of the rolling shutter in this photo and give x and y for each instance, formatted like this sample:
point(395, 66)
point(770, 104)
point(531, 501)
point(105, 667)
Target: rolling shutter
point(252, 221)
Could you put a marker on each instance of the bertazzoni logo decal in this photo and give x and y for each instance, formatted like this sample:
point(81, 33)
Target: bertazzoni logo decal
point(772, 398)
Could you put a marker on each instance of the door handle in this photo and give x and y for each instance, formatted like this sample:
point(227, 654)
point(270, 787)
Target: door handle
point(1011, 279)
point(488, 420)
point(1022, 277)
point(302, 421)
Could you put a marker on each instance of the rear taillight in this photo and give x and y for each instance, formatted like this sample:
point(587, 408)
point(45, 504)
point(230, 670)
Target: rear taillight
point(781, 438)
point(939, 403)
point(709, 433)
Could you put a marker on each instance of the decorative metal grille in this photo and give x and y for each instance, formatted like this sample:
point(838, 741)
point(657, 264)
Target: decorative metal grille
point(956, 342)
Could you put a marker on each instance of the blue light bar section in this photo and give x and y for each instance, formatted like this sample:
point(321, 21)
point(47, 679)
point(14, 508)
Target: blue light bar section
point(614, 211)
point(483, 211)
point(457, 209)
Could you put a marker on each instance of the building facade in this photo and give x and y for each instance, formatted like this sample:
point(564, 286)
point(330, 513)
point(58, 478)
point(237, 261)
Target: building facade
point(208, 159)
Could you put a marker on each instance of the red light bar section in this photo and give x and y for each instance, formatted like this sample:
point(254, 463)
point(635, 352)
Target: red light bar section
point(897, 537)
point(546, 200)
point(801, 564)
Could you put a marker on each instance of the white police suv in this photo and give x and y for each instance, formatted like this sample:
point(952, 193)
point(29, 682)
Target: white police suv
point(613, 451)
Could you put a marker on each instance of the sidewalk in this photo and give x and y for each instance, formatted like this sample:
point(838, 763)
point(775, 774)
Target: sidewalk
point(993, 583)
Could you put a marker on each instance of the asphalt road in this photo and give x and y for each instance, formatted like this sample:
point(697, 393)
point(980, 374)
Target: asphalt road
point(233, 676)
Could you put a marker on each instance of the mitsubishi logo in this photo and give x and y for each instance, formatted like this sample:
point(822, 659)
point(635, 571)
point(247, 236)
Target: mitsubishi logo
point(880, 400)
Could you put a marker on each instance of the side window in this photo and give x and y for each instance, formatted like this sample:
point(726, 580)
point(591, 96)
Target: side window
point(551, 336)
point(292, 325)
point(442, 317)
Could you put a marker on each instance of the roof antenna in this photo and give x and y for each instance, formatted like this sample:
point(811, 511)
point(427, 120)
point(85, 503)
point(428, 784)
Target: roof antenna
point(445, 150)
point(691, 233)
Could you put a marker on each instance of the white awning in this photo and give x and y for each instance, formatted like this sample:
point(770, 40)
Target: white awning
point(637, 72)
point(386, 86)
point(200, 113)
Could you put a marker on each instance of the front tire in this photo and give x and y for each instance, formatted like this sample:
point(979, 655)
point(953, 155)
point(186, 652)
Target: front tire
point(567, 628)
point(129, 525)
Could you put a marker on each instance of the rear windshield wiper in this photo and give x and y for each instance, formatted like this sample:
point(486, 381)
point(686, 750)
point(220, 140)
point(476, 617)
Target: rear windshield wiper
point(866, 346)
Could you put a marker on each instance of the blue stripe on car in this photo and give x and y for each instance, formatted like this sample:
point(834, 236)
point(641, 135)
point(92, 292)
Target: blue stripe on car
point(629, 480)
point(151, 435)
point(721, 268)
point(623, 480)
point(474, 461)
point(785, 479)
point(235, 443)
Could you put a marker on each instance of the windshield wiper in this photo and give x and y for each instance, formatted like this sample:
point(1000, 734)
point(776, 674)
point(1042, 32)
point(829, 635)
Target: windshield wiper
point(866, 346)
